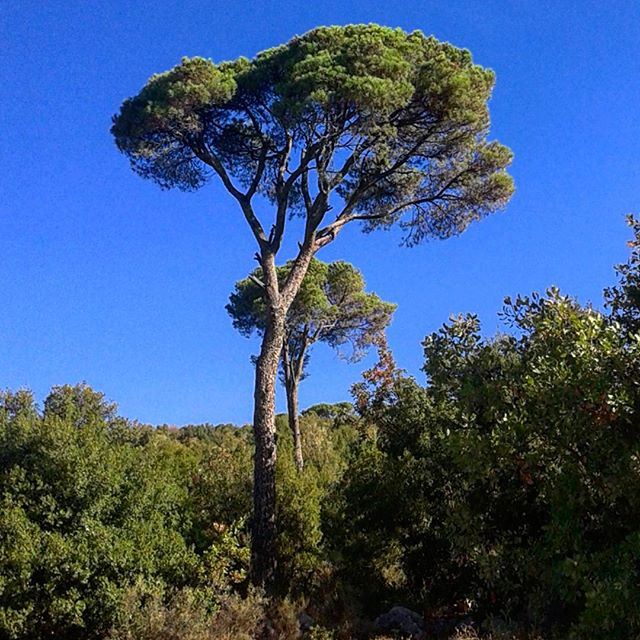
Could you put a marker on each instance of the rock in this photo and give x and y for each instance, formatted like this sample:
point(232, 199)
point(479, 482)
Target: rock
point(402, 620)
point(305, 621)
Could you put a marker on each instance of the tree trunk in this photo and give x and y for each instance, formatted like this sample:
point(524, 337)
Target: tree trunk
point(291, 387)
point(263, 524)
point(263, 540)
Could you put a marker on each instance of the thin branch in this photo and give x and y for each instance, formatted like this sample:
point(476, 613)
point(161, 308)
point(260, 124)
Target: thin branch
point(300, 359)
point(401, 161)
point(262, 161)
point(328, 233)
point(208, 157)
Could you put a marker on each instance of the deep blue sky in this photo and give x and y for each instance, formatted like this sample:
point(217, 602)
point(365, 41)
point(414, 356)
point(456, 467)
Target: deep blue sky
point(108, 279)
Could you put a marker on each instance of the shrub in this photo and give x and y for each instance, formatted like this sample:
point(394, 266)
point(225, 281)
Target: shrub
point(84, 514)
point(509, 484)
point(188, 615)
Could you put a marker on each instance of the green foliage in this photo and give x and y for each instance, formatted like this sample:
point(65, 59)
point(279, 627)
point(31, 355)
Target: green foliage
point(107, 525)
point(507, 488)
point(510, 482)
point(301, 496)
point(83, 515)
point(331, 306)
point(220, 493)
point(169, 109)
point(624, 298)
point(411, 111)
point(340, 411)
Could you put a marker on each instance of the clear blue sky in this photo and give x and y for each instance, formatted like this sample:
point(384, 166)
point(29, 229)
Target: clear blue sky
point(106, 278)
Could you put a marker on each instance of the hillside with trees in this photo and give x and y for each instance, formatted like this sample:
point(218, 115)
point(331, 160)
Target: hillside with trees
point(496, 496)
point(499, 494)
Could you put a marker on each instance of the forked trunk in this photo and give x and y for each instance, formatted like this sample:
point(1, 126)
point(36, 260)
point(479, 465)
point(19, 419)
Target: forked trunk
point(263, 539)
point(263, 525)
point(291, 387)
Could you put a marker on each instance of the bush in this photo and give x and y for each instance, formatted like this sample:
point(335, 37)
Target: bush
point(509, 484)
point(188, 615)
point(85, 514)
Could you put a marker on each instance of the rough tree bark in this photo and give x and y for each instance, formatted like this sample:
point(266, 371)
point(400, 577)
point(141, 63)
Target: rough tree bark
point(263, 526)
point(263, 557)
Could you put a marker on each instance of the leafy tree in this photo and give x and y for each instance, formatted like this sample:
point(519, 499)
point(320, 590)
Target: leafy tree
point(343, 124)
point(340, 411)
point(331, 306)
point(509, 483)
point(80, 405)
point(624, 298)
point(84, 514)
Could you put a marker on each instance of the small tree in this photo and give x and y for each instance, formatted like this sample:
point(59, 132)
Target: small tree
point(343, 124)
point(331, 306)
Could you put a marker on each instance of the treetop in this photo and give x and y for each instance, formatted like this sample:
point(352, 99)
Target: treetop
point(392, 123)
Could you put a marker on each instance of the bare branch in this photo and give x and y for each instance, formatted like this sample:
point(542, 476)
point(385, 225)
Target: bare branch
point(210, 158)
point(284, 189)
point(328, 233)
point(256, 281)
point(306, 195)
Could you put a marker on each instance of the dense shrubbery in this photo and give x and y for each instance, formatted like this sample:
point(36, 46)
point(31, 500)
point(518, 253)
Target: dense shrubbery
point(509, 485)
point(96, 511)
point(506, 492)
point(89, 506)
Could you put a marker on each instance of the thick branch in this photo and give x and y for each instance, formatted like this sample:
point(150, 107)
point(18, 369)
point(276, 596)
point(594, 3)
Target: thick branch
point(282, 193)
point(208, 157)
point(297, 272)
point(328, 233)
point(306, 194)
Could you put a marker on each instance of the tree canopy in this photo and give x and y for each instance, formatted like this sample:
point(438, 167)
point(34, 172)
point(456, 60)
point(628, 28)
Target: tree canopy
point(331, 306)
point(393, 123)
